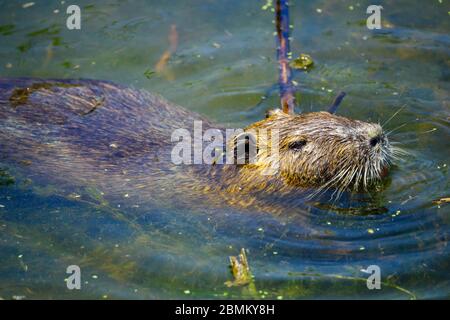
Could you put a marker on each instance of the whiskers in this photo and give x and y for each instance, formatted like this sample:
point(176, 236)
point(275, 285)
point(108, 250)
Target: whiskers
point(395, 129)
point(365, 171)
point(395, 153)
point(393, 116)
point(363, 177)
point(351, 179)
point(398, 154)
point(336, 180)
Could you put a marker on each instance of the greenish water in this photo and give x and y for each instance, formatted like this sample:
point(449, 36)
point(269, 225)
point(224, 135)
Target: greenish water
point(224, 63)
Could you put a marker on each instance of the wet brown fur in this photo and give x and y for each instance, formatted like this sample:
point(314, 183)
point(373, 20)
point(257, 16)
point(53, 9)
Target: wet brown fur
point(117, 139)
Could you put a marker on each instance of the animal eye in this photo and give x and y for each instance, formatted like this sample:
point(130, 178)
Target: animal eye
point(297, 145)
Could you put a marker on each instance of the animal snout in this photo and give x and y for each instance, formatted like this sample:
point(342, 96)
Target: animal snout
point(378, 139)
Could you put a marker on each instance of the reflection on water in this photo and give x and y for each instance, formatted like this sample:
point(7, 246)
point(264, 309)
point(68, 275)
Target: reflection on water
point(223, 64)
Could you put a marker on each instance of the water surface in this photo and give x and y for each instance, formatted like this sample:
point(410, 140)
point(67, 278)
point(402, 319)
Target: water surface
point(223, 65)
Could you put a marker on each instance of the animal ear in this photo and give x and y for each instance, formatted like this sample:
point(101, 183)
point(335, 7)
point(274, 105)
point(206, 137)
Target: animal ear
point(245, 148)
point(276, 113)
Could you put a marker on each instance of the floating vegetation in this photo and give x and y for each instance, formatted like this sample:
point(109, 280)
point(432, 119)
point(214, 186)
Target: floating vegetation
point(240, 270)
point(410, 294)
point(52, 30)
point(7, 29)
point(6, 179)
point(96, 195)
point(20, 95)
point(303, 62)
point(268, 5)
point(24, 47)
point(243, 277)
point(441, 201)
point(67, 64)
point(56, 41)
point(149, 73)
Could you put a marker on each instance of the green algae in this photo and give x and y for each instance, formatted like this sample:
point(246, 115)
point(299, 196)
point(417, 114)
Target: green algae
point(303, 62)
point(6, 179)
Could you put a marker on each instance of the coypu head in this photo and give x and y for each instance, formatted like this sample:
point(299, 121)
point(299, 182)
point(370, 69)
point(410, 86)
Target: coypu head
point(322, 150)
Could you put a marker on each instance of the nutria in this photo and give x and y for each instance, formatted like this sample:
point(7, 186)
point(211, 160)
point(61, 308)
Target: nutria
point(88, 133)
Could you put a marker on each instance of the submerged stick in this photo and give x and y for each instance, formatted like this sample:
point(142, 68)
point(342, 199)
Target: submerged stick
point(242, 276)
point(342, 277)
point(240, 270)
point(283, 50)
point(164, 59)
point(337, 101)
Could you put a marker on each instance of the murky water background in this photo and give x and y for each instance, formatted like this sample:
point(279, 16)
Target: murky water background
point(224, 63)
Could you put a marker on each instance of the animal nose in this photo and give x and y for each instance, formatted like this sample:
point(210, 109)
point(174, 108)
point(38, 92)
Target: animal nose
point(376, 140)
